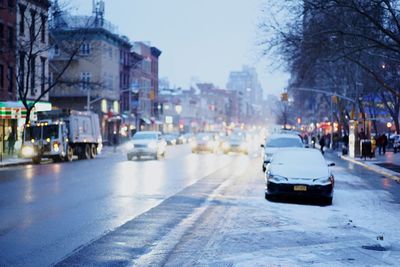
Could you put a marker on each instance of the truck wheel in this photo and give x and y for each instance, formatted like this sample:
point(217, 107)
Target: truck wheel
point(86, 152)
point(36, 160)
point(93, 151)
point(69, 155)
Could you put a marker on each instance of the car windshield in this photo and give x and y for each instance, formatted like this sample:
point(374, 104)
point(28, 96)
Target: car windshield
point(33, 132)
point(140, 136)
point(284, 142)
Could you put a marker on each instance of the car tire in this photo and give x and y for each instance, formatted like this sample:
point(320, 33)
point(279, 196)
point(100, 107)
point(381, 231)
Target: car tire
point(268, 197)
point(129, 157)
point(395, 150)
point(86, 152)
point(327, 201)
point(264, 168)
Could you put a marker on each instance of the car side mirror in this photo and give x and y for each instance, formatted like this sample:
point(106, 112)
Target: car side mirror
point(331, 164)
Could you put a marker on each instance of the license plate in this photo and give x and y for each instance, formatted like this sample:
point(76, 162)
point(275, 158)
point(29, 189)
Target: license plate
point(300, 188)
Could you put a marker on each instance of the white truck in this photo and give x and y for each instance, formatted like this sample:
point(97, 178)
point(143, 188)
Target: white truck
point(61, 134)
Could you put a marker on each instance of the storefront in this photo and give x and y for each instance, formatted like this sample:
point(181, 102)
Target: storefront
point(12, 115)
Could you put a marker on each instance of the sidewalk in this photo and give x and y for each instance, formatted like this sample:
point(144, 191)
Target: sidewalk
point(387, 165)
point(13, 161)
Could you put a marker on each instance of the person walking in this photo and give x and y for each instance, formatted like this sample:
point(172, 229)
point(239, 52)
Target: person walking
point(11, 143)
point(322, 144)
point(379, 143)
point(115, 141)
point(384, 143)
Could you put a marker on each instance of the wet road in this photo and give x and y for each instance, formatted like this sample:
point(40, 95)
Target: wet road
point(224, 220)
point(190, 210)
point(48, 211)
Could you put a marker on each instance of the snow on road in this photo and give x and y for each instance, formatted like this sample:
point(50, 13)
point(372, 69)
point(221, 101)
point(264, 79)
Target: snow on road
point(241, 228)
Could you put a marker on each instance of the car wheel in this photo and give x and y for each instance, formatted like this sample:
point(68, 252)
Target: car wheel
point(129, 157)
point(69, 154)
point(327, 201)
point(264, 168)
point(268, 197)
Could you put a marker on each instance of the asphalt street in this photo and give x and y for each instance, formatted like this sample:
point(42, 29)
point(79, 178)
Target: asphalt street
point(188, 209)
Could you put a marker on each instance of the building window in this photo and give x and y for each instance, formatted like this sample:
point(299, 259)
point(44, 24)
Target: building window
point(10, 77)
point(11, 4)
point(56, 50)
point(32, 26)
point(22, 9)
point(33, 75)
point(10, 37)
point(21, 74)
point(43, 26)
point(1, 77)
point(85, 80)
point(43, 74)
point(85, 49)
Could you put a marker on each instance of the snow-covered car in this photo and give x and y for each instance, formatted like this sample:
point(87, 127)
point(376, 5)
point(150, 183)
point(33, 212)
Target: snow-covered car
point(147, 143)
point(235, 143)
point(204, 142)
point(277, 142)
point(299, 171)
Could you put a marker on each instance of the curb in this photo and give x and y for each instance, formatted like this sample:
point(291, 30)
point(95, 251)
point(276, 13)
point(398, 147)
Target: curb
point(12, 164)
point(377, 169)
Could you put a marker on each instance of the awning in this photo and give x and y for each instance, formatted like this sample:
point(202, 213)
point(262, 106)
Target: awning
point(12, 110)
point(146, 120)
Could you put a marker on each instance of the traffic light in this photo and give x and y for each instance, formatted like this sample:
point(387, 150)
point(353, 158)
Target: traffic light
point(284, 97)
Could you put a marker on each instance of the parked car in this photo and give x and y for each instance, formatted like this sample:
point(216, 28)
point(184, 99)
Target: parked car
point(299, 171)
point(235, 143)
point(147, 143)
point(204, 142)
point(277, 142)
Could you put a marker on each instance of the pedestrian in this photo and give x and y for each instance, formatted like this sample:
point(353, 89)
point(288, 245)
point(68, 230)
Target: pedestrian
point(11, 143)
point(384, 143)
point(322, 143)
point(313, 141)
point(379, 143)
point(115, 141)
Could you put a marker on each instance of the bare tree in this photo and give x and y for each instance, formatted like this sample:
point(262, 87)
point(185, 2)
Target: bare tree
point(35, 44)
point(340, 45)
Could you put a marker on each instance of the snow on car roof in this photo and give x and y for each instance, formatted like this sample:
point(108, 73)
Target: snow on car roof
point(304, 156)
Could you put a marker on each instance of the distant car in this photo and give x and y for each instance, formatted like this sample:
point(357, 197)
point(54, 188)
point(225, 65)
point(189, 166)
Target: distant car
point(235, 143)
point(204, 142)
point(170, 139)
point(277, 142)
point(147, 143)
point(299, 171)
point(189, 137)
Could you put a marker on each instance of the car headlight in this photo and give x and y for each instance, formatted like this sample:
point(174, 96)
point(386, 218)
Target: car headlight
point(276, 178)
point(324, 180)
point(27, 151)
point(152, 145)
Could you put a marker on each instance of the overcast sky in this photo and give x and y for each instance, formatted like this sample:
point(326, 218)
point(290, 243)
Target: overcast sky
point(200, 39)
